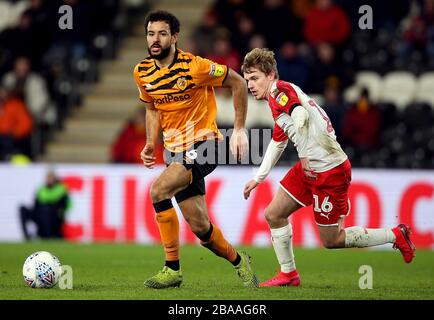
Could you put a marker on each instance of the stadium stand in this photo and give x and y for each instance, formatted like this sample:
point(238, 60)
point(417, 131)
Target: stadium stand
point(389, 61)
point(424, 88)
point(89, 82)
point(399, 88)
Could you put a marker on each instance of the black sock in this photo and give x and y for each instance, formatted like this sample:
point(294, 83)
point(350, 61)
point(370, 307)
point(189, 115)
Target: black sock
point(174, 265)
point(207, 235)
point(237, 260)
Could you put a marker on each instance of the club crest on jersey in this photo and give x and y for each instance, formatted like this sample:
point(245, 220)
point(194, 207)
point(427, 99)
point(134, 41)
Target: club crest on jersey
point(181, 83)
point(216, 70)
point(282, 99)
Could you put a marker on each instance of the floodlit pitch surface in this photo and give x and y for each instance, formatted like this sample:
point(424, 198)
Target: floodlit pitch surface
point(117, 271)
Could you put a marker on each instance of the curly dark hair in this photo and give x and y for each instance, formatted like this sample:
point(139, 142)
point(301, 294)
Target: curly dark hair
point(165, 16)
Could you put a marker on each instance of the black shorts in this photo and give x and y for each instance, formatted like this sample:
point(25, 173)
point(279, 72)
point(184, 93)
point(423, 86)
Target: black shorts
point(202, 159)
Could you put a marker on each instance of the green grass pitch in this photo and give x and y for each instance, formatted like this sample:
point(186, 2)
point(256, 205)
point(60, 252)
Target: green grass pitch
point(117, 271)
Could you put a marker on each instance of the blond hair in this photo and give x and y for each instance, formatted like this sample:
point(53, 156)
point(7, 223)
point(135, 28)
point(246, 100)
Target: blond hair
point(261, 59)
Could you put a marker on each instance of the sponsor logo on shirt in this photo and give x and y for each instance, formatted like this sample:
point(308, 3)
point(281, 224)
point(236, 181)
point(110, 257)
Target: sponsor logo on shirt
point(216, 70)
point(168, 98)
point(282, 99)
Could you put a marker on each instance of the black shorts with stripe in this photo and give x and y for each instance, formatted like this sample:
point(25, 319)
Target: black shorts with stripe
point(202, 159)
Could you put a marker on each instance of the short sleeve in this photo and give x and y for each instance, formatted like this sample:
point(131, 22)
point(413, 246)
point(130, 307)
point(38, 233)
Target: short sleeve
point(208, 73)
point(287, 98)
point(278, 134)
point(143, 95)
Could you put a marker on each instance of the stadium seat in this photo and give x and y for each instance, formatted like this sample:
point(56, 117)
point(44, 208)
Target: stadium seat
point(351, 94)
point(398, 87)
point(420, 137)
point(370, 80)
point(364, 79)
point(389, 115)
point(425, 88)
point(418, 116)
point(10, 13)
point(368, 159)
point(430, 144)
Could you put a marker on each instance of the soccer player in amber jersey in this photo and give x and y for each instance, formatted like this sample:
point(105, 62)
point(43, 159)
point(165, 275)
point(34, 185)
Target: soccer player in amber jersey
point(177, 89)
point(321, 177)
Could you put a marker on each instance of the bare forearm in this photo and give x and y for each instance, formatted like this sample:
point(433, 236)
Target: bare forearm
point(239, 94)
point(152, 126)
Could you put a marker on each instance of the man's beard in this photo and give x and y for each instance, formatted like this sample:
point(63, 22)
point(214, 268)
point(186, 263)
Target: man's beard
point(163, 54)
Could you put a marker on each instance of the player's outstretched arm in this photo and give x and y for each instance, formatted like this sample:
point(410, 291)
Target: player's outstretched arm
point(239, 143)
point(239, 92)
point(272, 155)
point(152, 131)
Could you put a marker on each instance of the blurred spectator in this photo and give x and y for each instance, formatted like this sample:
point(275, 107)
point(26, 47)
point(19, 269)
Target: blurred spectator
point(257, 41)
point(72, 43)
point(20, 41)
point(40, 23)
point(223, 53)
point(362, 124)
point(326, 70)
point(384, 17)
point(230, 11)
point(275, 20)
point(34, 89)
point(292, 66)
point(205, 33)
point(419, 34)
point(15, 125)
point(245, 31)
point(301, 8)
point(131, 140)
point(334, 106)
point(326, 22)
point(48, 212)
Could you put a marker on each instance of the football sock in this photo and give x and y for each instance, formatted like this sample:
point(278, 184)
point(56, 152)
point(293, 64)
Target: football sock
point(282, 244)
point(168, 224)
point(219, 245)
point(208, 234)
point(237, 260)
point(361, 237)
point(174, 265)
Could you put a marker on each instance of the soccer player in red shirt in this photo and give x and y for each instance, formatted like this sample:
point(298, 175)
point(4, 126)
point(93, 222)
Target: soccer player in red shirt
point(321, 177)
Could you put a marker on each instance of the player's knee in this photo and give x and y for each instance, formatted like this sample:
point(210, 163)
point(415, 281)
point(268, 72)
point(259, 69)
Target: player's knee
point(159, 192)
point(199, 227)
point(270, 216)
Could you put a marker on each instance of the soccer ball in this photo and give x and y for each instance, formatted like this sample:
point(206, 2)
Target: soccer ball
point(41, 270)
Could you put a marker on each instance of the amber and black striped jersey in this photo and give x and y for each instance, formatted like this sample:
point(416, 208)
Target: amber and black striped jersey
point(184, 96)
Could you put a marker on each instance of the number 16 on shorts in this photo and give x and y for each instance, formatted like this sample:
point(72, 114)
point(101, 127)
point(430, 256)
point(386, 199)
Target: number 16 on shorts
point(324, 209)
